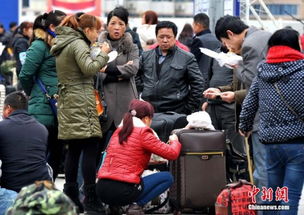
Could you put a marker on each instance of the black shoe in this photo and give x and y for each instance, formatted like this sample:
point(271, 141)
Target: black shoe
point(72, 191)
point(135, 209)
point(92, 205)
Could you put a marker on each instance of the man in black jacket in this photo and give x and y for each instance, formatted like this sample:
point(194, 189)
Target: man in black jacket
point(203, 39)
point(169, 77)
point(23, 143)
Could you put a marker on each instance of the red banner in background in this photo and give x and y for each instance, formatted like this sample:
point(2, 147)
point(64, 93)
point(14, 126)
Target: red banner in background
point(73, 6)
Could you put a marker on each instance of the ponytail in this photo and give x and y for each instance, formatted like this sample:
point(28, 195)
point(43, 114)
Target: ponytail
point(139, 109)
point(127, 127)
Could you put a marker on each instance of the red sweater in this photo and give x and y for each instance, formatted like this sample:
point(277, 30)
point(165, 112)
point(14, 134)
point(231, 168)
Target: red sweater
point(126, 162)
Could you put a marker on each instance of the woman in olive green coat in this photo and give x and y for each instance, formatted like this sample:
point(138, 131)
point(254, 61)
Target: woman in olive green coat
point(77, 115)
point(39, 63)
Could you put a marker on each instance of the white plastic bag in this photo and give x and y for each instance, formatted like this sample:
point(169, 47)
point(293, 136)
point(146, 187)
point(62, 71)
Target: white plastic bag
point(200, 119)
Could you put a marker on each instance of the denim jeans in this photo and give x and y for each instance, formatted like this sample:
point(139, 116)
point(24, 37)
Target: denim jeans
point(259, 159)
point(154, 185)
point(7, 198)
point(285, 167)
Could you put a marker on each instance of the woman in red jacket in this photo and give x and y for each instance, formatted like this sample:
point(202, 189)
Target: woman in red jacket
point(128, 155)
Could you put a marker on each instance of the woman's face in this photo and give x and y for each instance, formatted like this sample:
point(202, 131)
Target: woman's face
point(28, 32)
point(116, 28)
point(92, 34)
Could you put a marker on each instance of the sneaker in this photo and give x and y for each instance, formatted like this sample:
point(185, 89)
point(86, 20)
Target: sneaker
point(135, 209)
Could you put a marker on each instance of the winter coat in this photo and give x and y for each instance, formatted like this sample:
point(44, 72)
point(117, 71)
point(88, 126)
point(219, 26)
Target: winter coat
point(118, 80)
point(23, 145)
point(126, 162)
point(146, 34)
point(177, 85)
point(39, 63)
point(277, 123)
point(204, 39)
point(77, 115)
point(20, 44)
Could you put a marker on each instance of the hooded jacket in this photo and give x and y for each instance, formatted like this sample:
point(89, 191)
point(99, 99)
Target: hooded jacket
point(126, 162)
point(77, 115)
point(39, 63)
point(277, 123)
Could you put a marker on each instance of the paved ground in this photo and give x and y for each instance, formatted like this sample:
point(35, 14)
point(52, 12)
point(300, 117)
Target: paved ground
point(60, 181)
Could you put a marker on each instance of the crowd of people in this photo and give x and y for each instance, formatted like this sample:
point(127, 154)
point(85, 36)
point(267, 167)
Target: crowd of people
point(59, 58)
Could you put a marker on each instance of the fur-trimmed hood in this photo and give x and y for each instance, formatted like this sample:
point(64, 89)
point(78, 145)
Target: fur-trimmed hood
point(124, 44)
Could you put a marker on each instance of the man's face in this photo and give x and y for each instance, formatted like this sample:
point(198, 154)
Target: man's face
point(1, 29)
point(233, 42)
point(196, 27)
point(7, 110)
point(165, 38)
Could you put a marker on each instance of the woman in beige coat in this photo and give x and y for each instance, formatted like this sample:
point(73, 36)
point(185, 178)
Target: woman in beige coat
point(77, 115)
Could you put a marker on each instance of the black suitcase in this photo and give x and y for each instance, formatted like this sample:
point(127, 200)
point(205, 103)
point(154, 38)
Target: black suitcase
point(164, 123)
point(200, 171)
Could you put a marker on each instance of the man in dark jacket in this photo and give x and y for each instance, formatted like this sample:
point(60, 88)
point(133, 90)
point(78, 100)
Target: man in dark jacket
point(168, 77)
point(23, 143)
point(203, 39)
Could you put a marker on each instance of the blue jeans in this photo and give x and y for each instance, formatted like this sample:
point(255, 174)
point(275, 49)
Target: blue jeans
point(154, 185)
point(259, 158)
point(7, 198)
point(285, 167)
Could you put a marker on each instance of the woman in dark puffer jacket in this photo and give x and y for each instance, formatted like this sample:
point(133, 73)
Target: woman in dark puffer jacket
point(277, 94)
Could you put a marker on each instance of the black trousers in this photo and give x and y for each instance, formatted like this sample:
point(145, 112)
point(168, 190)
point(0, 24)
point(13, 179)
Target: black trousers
point(89, 149)
point(54, 150)
point(117, 193)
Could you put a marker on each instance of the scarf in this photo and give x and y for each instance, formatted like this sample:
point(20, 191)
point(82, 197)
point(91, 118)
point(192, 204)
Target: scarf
point(279, 54)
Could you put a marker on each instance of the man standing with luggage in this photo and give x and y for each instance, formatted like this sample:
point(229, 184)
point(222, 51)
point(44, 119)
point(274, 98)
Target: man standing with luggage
point(168, 77)
point(251, 44)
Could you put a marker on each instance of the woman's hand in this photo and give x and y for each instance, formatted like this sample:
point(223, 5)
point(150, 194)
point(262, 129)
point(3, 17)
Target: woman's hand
point(105, 47)
point(173, 137)
point(245, 133)
point(103, 69)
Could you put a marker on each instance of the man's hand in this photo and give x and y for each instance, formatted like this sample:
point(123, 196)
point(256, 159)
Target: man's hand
point(245, 133)
point(204, 106)
point(228, 96)
point(211, 93)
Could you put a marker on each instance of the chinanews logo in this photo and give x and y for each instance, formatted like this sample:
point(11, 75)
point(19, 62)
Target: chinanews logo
point(268, 195)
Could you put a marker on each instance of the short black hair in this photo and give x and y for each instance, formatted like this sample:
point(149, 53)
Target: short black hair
point(166, 24)
point(202, 19)
point(17, 100)
point(285, 37)
point(121, 12)
point(12, 24)
point(232, 23)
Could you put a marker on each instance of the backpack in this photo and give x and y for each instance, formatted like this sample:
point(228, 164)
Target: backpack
point(234, 199)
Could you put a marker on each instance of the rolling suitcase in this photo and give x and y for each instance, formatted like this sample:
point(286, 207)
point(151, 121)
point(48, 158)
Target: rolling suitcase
point(164, 123)
point(200, 171)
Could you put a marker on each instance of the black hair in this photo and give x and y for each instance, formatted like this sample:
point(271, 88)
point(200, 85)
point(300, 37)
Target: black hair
point(12, 24)
point(285, 37)
point(121, 12)
point(232, 23)
point(17, 100)
point(202, 19)
point(166, 24)
point(45, 20)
